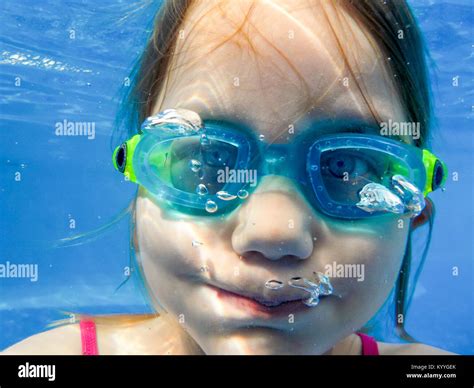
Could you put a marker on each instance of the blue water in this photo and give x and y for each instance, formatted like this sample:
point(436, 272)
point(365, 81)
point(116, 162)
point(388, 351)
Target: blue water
point(46, 77)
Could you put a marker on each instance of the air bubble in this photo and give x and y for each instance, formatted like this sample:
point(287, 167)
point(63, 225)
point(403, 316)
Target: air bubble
point(261, 137)
point(320, 285)
point(201, 189)
point(204, 140)
point(180, 121)
point(225, 196)
point(194, 165)
point(242, 194)
point(211, 206)
point(196, 243)
point(402, 198)
point(274, 285)
point(325, 287)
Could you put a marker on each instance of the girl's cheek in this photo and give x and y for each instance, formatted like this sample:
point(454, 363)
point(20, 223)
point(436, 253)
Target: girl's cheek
point(173, 249)
point(178, 246)
point(367, 255)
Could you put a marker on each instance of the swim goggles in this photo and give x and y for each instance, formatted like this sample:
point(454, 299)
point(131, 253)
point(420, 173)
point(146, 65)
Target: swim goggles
point(211, 167)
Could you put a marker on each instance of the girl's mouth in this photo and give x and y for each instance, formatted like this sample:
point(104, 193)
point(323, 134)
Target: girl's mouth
point(253, 305)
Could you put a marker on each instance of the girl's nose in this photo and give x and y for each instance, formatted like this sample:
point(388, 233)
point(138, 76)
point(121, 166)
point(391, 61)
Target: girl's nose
point(274, 222)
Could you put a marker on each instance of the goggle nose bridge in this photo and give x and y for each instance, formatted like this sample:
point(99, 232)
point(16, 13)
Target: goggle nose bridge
point(275, 159)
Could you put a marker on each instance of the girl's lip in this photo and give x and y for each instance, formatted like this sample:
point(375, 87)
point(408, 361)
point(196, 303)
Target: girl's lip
point(255, 306)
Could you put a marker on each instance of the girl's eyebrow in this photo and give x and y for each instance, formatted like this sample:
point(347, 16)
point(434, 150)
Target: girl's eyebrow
point(307, 127)
point(347, 124)
point(230, 122)
point(312, 128)
point(338, 125)
point(354, 125)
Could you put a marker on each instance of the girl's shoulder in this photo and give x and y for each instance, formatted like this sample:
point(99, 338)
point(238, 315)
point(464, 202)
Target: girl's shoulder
point(63, 340)
point(115, 335)
point(389, 349)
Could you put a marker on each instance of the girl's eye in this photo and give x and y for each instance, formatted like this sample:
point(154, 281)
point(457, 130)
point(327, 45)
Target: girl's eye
point(345, 172)
point(216, 156)
point(191, 164)
point(344, 165)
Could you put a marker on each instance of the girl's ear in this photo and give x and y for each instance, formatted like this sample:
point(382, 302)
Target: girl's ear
point(424, 216)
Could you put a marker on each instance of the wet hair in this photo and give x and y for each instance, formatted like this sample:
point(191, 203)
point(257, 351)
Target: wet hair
point(391, 24)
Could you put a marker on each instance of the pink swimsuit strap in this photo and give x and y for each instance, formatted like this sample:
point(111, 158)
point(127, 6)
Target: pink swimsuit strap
point(369, 345)
point(88, 337)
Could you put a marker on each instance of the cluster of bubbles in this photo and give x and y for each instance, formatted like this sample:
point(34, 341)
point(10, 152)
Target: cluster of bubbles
point(179, 121)
point(401, 198)
point(318, 285)
point(211, 206)
point(201, 189)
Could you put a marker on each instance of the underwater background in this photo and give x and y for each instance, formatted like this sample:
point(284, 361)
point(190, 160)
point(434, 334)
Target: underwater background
point(69, 60)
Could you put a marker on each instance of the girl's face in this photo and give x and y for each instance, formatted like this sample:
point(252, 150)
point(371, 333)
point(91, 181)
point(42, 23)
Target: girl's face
point(272, 65)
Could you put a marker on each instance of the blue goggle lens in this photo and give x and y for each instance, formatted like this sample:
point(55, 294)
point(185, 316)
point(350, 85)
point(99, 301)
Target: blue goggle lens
point(187, 165)
point(189, 172)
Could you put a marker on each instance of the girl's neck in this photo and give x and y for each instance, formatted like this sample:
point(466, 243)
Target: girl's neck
point(168, 337)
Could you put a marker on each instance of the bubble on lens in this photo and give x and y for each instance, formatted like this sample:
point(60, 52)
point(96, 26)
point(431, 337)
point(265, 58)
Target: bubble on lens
point(242, 194)
point(225, 196)
point(204, 140)
point(412, 197)
point(403, 197)
point(201, 189)
point(211, 206)
point(375, 197)
point(182, 121)
point(196, 243)
point(194, 165)
point(274, 285)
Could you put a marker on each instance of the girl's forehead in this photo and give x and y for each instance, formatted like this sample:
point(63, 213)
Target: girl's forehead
point(272, 63)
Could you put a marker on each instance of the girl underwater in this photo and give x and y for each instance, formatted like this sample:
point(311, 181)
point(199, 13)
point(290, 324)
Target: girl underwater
point(267, 181)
